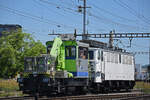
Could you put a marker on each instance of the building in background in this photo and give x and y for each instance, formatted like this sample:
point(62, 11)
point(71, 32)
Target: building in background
point(138, 71)
point(9, 28)
point(142, 72)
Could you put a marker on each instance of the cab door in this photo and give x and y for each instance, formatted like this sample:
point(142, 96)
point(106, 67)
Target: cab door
point(98, 66)
point(82, 62)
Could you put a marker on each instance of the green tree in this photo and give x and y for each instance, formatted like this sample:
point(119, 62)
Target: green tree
point(13, 48)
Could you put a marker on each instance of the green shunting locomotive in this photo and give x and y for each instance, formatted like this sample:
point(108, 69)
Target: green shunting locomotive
point(72, 66)
point(64, 69)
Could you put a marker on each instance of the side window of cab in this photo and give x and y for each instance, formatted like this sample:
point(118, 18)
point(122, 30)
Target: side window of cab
point(99, 55)
point(70, 52)
point(83, 52)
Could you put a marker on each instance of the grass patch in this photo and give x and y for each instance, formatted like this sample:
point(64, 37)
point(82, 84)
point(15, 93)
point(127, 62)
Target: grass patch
point(8, 94)
point(144, 86)
point(9, 88)
point(9, 85)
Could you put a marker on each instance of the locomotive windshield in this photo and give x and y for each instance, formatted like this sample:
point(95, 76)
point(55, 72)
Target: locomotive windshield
point(29, 64)
point(41, 64)
point(38, 64)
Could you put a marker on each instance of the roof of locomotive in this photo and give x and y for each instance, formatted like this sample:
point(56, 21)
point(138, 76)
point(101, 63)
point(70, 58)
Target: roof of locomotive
point(111, 50)
point(70, 42)
point(93, 44)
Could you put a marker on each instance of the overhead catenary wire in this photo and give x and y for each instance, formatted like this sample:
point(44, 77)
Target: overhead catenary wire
point(112, 14)
point(33, 17)
point(132, 44)
point(55, 12)
point(106, 20)
point(103, 19)
point(35, 34)
point(71, 4)
point(66, 9)
point(59, 6)
point(137, 14)
point(132, 11)
point(46, 7)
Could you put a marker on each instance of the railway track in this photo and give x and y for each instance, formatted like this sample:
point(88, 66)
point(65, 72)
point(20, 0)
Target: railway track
point(112, 96)
point(18, 98)
point(98, 96)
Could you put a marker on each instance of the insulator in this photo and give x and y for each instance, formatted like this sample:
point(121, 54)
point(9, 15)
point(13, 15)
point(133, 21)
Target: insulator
point(79, 9)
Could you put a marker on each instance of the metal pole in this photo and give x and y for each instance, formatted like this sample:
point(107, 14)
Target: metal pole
point(111, 39)
point(149, 51)
point(84, 20)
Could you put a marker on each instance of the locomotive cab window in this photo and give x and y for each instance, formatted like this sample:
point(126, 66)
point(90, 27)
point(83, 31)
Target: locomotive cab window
point(102, 58)
point(29, 64)
point(83, 52)
point(99, 55)
point(91, 55)
point(41, 64)
point(119, 58)
point(49, 49)
point(70, 52)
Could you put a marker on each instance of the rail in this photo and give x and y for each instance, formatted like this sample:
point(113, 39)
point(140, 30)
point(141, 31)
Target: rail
point(111, 96)
point(97, 97)
point(18, 98)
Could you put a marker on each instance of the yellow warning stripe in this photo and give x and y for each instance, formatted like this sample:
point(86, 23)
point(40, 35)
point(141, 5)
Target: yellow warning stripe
point(26, 74)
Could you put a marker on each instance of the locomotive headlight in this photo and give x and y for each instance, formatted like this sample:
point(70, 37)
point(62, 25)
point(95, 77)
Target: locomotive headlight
point(34, 74)
point(45, 80)
point(21, 84)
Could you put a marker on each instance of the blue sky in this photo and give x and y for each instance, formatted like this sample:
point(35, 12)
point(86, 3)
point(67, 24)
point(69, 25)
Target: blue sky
point(41, 17)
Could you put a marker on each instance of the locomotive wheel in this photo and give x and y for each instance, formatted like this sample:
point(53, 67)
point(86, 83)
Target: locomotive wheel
point(106, 90)
point(81, 90)
point(118, 90)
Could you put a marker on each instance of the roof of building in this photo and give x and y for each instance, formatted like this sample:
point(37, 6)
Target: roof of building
point(145, 66)
point(10, 25)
